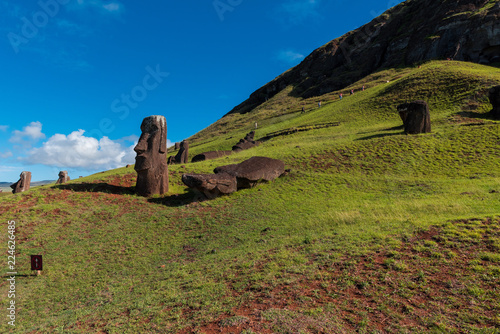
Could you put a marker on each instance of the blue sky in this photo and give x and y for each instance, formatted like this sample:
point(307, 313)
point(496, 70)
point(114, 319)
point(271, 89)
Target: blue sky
point(78, 76)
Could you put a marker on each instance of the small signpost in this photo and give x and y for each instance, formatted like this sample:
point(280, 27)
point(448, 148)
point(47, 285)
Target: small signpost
point(36, 263)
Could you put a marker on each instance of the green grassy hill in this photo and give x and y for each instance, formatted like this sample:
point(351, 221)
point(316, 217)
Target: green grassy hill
point(372, 230)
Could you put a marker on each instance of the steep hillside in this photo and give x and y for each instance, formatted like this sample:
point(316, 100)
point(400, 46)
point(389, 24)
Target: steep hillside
point(408, 34)
point(453, 89)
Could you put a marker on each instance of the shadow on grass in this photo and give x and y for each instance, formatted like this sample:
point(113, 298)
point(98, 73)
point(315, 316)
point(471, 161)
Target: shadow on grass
point(471, 114)
point(97, 188)
point(381, 135)
point(179, 200)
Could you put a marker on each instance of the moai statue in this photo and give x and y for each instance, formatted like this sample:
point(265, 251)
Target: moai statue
point(151, 160)
point(23, 184)
point(63, 177)
point(416, 117)
point(177, 146)
point(182, 156)
point(494, 95)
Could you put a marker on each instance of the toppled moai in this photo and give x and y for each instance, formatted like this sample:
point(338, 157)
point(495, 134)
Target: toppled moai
point(210, 155)
point(23, 184)
point(230, 178)
point(246, 143)
point(151, 160)
point(63, 177)
point(416, 117)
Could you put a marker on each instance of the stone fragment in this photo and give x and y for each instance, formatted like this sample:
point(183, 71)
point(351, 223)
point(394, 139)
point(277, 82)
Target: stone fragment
point(210, 155)
point(211, 185)
point(63, 177)
point(494, 95)
point(151, 161)
point(23, 184)
point(416, 117)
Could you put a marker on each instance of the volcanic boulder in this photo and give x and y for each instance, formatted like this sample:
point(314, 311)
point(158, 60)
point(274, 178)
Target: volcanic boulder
point(63, 177)
point(494, 95)
point(23, 184)
point(416, 117)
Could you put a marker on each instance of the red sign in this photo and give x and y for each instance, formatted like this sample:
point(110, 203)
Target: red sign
point(36, 262)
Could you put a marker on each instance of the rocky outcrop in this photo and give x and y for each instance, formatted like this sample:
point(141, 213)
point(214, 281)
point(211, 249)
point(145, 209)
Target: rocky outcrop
point(210, 155)
point(416, 117)
point(23, 184)
point(494, 95)
point(411, 32)
point(228, 179)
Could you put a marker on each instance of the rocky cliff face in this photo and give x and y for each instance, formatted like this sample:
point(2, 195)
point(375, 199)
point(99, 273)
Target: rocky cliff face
point(412, 32)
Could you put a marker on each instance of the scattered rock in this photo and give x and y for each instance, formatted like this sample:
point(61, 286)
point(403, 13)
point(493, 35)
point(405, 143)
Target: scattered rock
point(23, 184)
point(494, 95)
point(127, 166)
point(210, 155)
point(63, 177)
point(151, 161)
point(416, 117)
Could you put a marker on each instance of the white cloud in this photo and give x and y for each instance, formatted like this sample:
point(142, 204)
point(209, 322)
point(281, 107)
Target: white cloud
point(30, 133)
point(77, 151)
point(4, 128)
point(293, 12)
point(6, 155)
point(8, 168)
point(169, 143)
point(131, 138)
point(114, 7)
point(290, 56)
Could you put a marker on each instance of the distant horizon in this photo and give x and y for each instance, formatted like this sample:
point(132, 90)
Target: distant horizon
point(80, 75)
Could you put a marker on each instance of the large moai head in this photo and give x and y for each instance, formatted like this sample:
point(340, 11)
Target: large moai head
point(494, 95)
point(151, 160)
point(23, 184)
point(415, 116)
point(63, 177)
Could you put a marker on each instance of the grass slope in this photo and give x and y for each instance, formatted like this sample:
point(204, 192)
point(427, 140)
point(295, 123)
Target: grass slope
point(372, 231)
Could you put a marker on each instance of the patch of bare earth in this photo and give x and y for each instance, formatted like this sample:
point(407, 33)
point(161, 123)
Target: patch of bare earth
point(436, 280)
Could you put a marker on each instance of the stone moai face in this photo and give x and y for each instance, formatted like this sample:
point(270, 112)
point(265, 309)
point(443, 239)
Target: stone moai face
point(23, 184)
point(151, 160)
point(63, 177)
